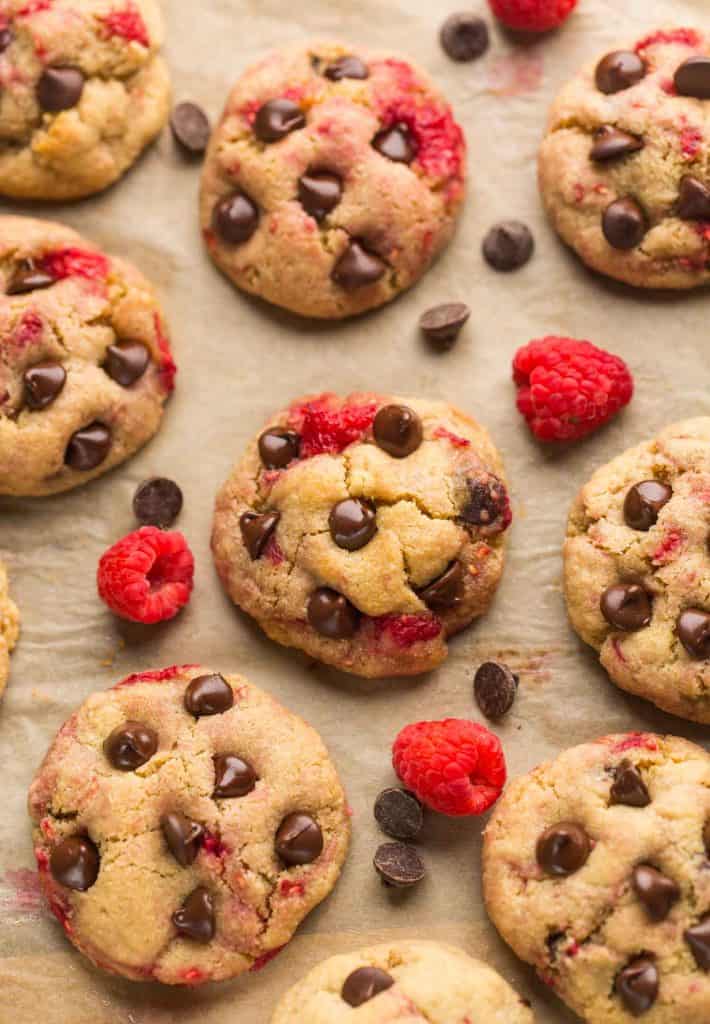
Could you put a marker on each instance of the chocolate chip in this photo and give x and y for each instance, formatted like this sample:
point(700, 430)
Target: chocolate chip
point(637, 985)
point(130, 745)
point(357, 267)
point(319, 193)
point(257, 530)
point(195, 918)
point(6, 38)
point(442, 325)
point(396, 143)
point(126, 362)
point(27, 278)
point(183, 836)
point(299, 840)
point(698, 938)
point(353, 524)
point(508, 245)
point(364, 984)
point(75, 863)
point(277, 119)
point(495, 687)
point(398, 865)
point(626, 606)
point(190, 127)
point(464, 36)
point(619, 70)
point(59, 89)
point(346, 67)
point(398, 430)
point(235, 218)
point(88, 447)
point(232, 777)
point(693, 199)
point(278, 447)
point(157, 502)
point(643, 502)
point(624, 224)
point(693, 78)
point(487, 504)
point(694, 632)
point(399, 814)
point(628, 786)
point(208, 695)
point(445, 592)
point(612, 143)
point(563, 849)
point(332, 615)
point(43, 383)
point(657, 892)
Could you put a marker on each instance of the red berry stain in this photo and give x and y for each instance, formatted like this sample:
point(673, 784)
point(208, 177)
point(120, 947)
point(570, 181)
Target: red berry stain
point(273, 551)
point(703, 229)
point(579, 192)
point(213, 845)
point(669, 548)
point(156, 676)
point(406, 630)
point(633, 741)
point(617, 649)
point(28, 330)
point(47, 828)
point(691, 141)
point(168, 367)
point(193, 976)
point(74, 262)
point(327, 426)
point(684, 36)
point(27, 893)
point(127, 23)
point(262, 961)
point(517, 75)
point(668, 86)
point(288, 888)
point(454, 439)
point(33, 7)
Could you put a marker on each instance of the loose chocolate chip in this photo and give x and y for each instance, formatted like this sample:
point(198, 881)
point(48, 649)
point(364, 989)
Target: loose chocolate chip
point(157, 502)
point(508, 245)
point(353, 524)
point(195, 918)
point(624, 223)
point(126, 362)
point(694, 632)
point(43, 384)
point(399, 814)
point(59, 89)
point(611, 143)
point(698, 938)
point(332, 615)
point(208, 695)
point(563, 849)
point(464, 36)
point(619, 70)
point(643, 503)
point(319, 193)
point(190, 127)
point(398, 865)
point(693, 78)
point(396, 143)
point(495, 687)
point(657, 892)
point(130, 745)
point(277, 119)
point(626, 606)
point(232, 777)
point(183, 836)
point(88, 447)
point(637, 985)
point(75, 863)
point(235, 218)
point(364, 984)
point(346, 67)
point(694, 199)
point(357, 267)
point(27, 278)
point(278, 447)
point(446, 591)
point(299, 840)
point(487, 503)
point(257, 530)
point(6, 38)
point(628, 787)
point(398, 430)
point(442, 324)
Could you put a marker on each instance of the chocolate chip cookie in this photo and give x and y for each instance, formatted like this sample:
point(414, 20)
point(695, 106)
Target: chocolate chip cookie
point(85, 362)
point(82, 92)
point(333, 179)
point(595, 870)
point(9, 628)
point(184, 825)
point(637, 568)
point(624, 167)
point(365, 530)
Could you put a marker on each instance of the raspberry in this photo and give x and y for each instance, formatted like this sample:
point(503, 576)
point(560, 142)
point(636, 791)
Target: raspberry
point(568, 388)
point(74, 262)
point(532, 15)
point(406, 630)
point(147, 576)
point(325, 426)
point(455, 767)
point(128, 24)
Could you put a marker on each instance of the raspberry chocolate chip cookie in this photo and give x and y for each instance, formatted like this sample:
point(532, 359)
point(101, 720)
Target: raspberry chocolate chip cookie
point(637, 568)
point(85, 363)
point(403, 980)
point(595, 870)
point(624, 167)
point(333, 179)
point(365, 530)
point(9, 628)
point(82, 92)
point(184, 825)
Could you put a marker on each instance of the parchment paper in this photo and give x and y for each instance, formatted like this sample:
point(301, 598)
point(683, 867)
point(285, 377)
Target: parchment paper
point(238, 361)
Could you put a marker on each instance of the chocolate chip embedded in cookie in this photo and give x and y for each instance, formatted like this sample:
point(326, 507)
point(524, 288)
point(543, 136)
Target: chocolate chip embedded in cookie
point(9, 628)
point(182, 836)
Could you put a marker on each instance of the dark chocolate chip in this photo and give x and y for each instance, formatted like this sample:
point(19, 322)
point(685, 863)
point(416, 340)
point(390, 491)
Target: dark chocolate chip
point(346, 67)
point(364, 984)
point(353, 524)
point(694, 632)
point(624, 223)
point(88, 447)
point(399, 814)
point(59, 89)
point(257, 530)
point(232, 777)
point(6, 38)
point(43, 383)
point(637, 985)
point(190, 127)
point(396, 143)
point(626, 606)
point(319, 193)
point(27, 278)
point(612, 143)
point(398, 430)
point(398, 865)
point(208, 695)
point(126, 362)
point(277, 119)
point(656, 891)
point(332, 615)
point(357, 267)
point(693, 78)
point(619, 70)
point(698, 938)
point(693, 199)
point(445, 592)
point(157, 502)
point(195, 918)
point(442, 325)
point(183, 836)
point(508, 245)
point(495, 687)
point(278, 447)
point(628, 786)
point(75, 863)
point(464, 36)
point(487, 503)
point(235, 218)
point(643, 502)
point(563, 849)
point(130, 745)
point(299, 840)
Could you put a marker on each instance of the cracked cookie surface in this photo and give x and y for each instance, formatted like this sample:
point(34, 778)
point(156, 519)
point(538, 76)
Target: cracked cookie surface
point(85, 362)
point(333, 179)
point(82, 92)
point(184, 824)
point(9, 628)
point(637, 568)
point(625, 167)
point(595, 870)
point(408, 981)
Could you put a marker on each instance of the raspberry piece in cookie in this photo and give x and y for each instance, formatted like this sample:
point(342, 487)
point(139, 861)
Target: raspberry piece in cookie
point(147, 576)
point(9, 628)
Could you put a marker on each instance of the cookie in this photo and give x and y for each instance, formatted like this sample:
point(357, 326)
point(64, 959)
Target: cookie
point(332, 180)
point(85, 362)
point(402, 980)
point(82, 92)
point(637, 568)
point(623, 169)
point(595, 870)
point(9, 628)
point(184, 825)
point(365, 530)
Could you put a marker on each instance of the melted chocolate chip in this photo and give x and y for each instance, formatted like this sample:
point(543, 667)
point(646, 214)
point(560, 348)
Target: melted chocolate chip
point(628, 786)
point(508, 245)
point(130, 745)
point(257, 530)
point(157, 502)
point(464, 36)
point(643, 503)
point(27, 278)
point(398, 865)
point(43, 384)
point(694, 632)
point(618, 71)
point(396, 143)
point(487, 503)
point(319, 193)
point(495, 687)
point(626, 606)
point(364, 984)
point(698, 938)
point(612, 143)
point(208, 695)
point(88, 447)
point(398, 430)
point(624, 224)
point(232, 777)
point(399, 814)
point(332, 615)
point(277, 119)
point(693, 78)
point(59, 89)
point(346, 67)
point(75, 863)
point(6, 38)
point(657, 892)
point(235, 218)
point(183, 836)
point(442, 325)
point(357, 267)
point(195, 918)
point(299, 840)
point(126, 362)
point(563, 849)
point(353, 524)
point(693, 199)
point(190, 127)
point(446, 591)
point(637, 985)
point(278, 447)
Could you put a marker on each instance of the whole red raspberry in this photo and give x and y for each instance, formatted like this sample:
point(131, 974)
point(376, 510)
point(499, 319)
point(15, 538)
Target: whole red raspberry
point(147, 576)
point(568, 388)
point(455, 767)
point(532, 15)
